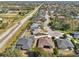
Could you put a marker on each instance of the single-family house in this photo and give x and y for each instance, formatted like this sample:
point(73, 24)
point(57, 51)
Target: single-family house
point(45, 43)
point(77, 48)
point(24, 43)
point(64, 44)
point(75, 35)
point(56, 34)
point(39, 32)
point(35, 26)
point(65, 47)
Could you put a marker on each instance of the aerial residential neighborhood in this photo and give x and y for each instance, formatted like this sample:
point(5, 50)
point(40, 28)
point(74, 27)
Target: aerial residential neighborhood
point(39, 29)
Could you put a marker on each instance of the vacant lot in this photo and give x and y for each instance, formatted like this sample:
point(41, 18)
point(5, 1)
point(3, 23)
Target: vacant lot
point(8, 20)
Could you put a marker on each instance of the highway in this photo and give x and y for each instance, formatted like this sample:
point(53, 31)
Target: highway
point(10, 32)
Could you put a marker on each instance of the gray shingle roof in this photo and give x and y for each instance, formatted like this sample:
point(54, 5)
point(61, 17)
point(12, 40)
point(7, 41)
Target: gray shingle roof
point(34, 26)
point(25, 42)
point(75, 34)
point(64, 44)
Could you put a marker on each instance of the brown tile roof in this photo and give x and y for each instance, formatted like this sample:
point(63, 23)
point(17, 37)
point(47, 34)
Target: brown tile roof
point(45, 41)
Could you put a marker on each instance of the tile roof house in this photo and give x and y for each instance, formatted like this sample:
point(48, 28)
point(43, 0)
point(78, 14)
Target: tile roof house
point(64, 44)
point(45, 43)
point(24, 43)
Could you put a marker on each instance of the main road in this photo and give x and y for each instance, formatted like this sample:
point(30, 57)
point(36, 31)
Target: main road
point(10, 32)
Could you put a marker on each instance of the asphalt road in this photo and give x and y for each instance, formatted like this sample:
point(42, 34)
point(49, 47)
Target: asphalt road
point(51, 32)
point(46, 24)
point(10, 32)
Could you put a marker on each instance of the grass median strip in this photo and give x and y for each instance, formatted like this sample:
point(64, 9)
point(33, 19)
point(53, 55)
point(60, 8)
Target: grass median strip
point(13, 39)
point(15, 36)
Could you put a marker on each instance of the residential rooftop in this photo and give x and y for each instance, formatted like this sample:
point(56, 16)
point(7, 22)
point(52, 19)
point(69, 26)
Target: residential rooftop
point(24, 43)
point(64, 44)
point(75, 35)
point(44, 41)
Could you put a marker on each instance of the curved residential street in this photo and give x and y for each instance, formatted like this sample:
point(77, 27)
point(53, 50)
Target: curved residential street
point(50, 32)
point(46, 24)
